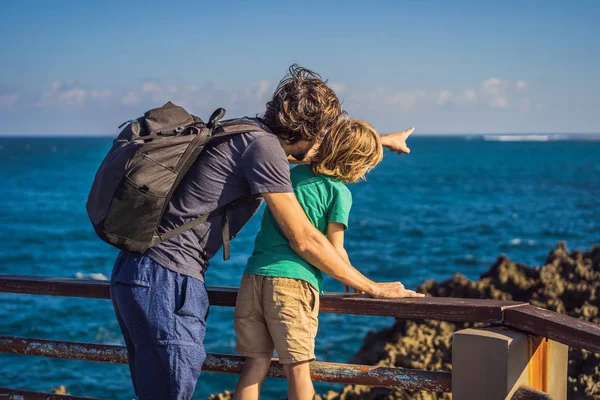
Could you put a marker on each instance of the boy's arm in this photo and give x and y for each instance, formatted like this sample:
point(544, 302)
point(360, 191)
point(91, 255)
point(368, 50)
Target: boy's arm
point(335, 235)
point(395, 142)
point(313, 246)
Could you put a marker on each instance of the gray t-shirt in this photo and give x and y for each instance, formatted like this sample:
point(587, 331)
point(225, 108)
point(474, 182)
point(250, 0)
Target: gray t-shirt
point(228, 168)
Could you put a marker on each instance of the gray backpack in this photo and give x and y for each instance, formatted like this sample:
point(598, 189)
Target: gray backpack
point(144, 166)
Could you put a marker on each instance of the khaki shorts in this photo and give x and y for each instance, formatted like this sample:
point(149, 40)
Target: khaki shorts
point(276, 313)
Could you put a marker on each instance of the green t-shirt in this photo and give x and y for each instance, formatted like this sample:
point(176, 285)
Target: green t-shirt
point(324, 199)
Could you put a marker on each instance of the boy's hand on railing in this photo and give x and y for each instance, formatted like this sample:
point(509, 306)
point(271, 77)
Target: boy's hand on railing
point(393, 290)
point(348, 288)
point(396, 142)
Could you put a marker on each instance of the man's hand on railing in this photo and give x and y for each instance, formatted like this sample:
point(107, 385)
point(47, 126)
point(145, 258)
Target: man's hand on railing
point(396, 142)
point(393, 290)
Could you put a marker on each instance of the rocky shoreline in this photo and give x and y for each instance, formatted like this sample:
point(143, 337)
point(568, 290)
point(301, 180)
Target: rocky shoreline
point(568, 283)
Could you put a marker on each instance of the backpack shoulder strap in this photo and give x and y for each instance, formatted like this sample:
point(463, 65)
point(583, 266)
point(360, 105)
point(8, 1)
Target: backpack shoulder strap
point(236, 127)
point(180, 229)
point(224, 223)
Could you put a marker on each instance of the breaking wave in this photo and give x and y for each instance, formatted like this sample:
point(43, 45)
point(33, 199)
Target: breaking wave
point(96, 276)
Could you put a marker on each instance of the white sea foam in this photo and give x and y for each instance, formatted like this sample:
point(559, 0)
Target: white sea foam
point(97, 276)
point(516, 138)
point(534, 137)
point(519, 241)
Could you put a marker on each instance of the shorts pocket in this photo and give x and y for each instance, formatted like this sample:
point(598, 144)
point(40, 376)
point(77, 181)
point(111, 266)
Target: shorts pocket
point(282, 298)
point(315, 302)
point(244, 304)
point(314, 312)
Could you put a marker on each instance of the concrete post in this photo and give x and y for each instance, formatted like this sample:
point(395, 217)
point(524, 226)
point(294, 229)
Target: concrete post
point(492, 363)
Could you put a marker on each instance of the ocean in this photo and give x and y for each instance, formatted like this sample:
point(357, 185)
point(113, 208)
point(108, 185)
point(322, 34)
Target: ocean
point(451, 206)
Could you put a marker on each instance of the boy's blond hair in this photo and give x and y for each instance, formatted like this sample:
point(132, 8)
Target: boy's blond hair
point(348, 151)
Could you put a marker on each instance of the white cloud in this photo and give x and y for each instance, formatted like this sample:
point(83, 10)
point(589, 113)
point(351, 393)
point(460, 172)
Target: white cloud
point(470, 96)
point(407, 100)
point(209, 96)
point(499, 102)
point(98, 94)
point(69, 93)
point(262, 89)
point(444, 96)
point(150, 87)
point(521, 85)
point(130, 99)
point(494, 91)
point(257, 90)
point(73, 97)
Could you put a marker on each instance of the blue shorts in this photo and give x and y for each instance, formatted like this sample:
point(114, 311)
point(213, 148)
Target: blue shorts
point(162, 315)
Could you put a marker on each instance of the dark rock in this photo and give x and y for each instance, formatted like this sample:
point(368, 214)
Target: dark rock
point(569, 283)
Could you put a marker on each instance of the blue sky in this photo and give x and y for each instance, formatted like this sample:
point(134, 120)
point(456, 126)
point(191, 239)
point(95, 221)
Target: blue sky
point(82, 67)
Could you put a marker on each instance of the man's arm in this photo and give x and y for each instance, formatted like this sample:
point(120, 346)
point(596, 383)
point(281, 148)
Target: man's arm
point(313, 246)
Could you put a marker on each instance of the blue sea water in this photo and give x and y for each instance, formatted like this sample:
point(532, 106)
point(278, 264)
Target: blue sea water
point(453, 205)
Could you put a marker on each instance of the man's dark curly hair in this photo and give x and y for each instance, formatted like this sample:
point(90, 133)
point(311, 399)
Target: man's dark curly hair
point(303, 107)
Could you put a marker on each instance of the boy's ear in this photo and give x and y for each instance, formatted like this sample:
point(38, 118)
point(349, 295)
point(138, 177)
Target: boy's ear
point(312, 152)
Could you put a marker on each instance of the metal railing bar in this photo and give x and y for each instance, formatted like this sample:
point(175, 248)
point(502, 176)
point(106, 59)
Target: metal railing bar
point(435, 381)
point(438, 308)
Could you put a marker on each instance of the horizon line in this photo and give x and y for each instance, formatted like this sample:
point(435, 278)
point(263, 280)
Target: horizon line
point(108, 135)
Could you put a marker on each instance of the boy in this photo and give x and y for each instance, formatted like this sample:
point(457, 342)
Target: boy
point(278, 302)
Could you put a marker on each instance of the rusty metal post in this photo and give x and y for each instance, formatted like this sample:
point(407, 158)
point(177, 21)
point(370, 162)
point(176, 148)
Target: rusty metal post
point(492, 363)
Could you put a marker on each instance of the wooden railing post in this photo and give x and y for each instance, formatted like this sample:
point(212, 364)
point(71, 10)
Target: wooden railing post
point(492, 363)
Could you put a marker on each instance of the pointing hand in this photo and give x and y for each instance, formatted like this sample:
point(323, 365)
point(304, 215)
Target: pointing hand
point(396, 142)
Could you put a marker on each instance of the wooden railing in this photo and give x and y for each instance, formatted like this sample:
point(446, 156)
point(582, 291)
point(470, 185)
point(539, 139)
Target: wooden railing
point(515, 315)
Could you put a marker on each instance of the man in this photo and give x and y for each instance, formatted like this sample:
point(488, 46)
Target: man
point(160, 298)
